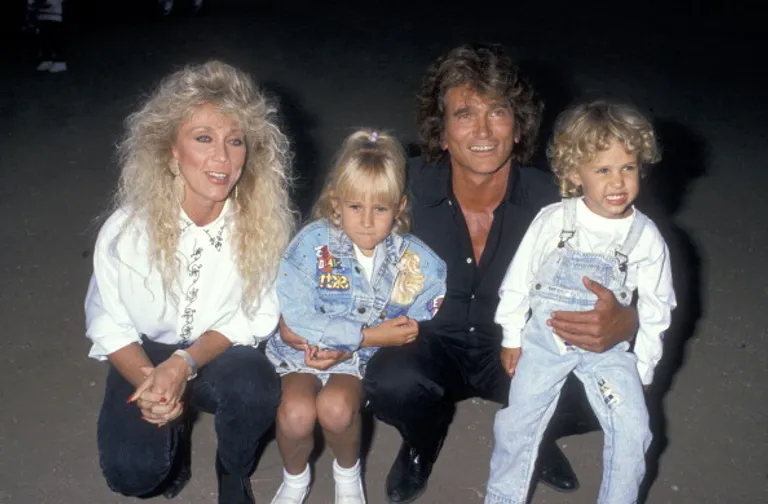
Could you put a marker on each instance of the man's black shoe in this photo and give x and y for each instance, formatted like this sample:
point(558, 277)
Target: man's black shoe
point(233, 489)
point(408, 476)
point(556, 472)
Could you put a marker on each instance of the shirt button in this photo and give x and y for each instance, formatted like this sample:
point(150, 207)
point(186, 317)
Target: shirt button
point(450, 203)
point(472, 329)
point(469, 260)
point(361, 310)
point(383, 315)
point(472, 296)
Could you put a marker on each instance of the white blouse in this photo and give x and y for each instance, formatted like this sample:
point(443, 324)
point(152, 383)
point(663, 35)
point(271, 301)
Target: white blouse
point(125, 298)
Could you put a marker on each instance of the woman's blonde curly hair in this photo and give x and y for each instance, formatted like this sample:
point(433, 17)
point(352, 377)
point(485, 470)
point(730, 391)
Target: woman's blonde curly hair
point(367, 161)
point(582, 131)
point(264, 216)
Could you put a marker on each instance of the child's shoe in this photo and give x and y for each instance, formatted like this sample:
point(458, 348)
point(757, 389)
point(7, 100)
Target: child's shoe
point(294, 489)
point(349, 484)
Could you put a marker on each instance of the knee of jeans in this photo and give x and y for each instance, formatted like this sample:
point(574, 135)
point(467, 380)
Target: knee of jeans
point(132, 472)
point(255, 389)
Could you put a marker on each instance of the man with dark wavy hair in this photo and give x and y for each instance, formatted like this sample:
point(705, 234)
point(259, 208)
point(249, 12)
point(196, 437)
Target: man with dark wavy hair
point(473, 198)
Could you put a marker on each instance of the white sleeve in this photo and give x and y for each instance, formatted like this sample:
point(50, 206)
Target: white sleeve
point(108, 324)
point(656, 300)
point(243, 329)
point(512, 312)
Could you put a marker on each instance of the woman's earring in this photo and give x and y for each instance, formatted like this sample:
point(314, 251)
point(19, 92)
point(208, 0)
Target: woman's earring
point(174, 167)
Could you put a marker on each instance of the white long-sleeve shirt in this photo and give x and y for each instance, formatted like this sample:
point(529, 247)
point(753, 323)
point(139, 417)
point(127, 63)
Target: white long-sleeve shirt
point(648, 271)
point(125, 297)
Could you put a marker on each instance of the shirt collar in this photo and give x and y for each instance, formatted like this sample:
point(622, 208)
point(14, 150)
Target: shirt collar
point(441, 188)
point(340, 245)
point(224, 216)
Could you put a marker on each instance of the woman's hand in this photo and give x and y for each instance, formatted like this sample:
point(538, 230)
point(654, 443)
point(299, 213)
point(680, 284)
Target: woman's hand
point(393, 332)
point(599, 329)
point(159, 396)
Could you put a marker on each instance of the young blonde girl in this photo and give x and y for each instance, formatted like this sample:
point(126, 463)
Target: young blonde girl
point(351, 280)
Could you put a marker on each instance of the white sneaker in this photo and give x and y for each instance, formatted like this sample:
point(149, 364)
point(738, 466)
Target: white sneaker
point(349, 484)
point(294, 489)
point(59, 66)
point(44, 66)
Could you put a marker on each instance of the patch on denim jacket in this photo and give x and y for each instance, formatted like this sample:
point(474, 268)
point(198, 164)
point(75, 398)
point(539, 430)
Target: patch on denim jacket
point(326, 264)
point(332, 281)
point(325, 261)
point(434, 304)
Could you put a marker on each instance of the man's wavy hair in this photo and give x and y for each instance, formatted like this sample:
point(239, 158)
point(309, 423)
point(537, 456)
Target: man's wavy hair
point(490, 72)
point(585, 129)
point(147, 189)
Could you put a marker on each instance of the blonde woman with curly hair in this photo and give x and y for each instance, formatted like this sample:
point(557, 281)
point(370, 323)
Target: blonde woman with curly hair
point(183, 281)
point(597, 152)
point(352, 280)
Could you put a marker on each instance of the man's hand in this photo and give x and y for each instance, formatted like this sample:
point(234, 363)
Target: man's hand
point(509, 359)
point(599, 329)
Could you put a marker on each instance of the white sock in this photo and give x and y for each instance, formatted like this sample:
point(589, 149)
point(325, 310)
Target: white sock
point(295, 487)
point(300, 480)
point(348, 482)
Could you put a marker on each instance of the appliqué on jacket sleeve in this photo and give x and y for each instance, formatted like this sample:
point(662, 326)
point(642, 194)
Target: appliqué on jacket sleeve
point(434, 304)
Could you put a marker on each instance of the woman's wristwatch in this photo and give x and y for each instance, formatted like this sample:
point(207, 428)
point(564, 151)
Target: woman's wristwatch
point(190, 362)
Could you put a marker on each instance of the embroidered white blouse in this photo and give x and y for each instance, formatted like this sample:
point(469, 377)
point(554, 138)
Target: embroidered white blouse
point(125, 298)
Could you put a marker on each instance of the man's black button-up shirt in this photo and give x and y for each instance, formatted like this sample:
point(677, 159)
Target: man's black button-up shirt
point(472, 295)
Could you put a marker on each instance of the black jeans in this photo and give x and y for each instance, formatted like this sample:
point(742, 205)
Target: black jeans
point(240, 387)
point(415, 388)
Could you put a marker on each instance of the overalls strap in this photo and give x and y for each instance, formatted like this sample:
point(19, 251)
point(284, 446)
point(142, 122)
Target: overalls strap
point(633, 236)
point(569, 221)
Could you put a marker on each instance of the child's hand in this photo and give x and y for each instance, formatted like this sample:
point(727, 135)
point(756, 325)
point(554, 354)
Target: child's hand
point(393, 332)
point(290, 338)
point(509, 359)
point(321, 359)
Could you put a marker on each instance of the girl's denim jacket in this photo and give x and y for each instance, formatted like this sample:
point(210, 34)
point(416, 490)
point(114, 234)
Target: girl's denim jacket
point(325, 296)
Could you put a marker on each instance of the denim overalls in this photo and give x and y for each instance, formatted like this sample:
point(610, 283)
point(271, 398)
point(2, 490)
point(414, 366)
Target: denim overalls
point(610, 379)
point(326, 298)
